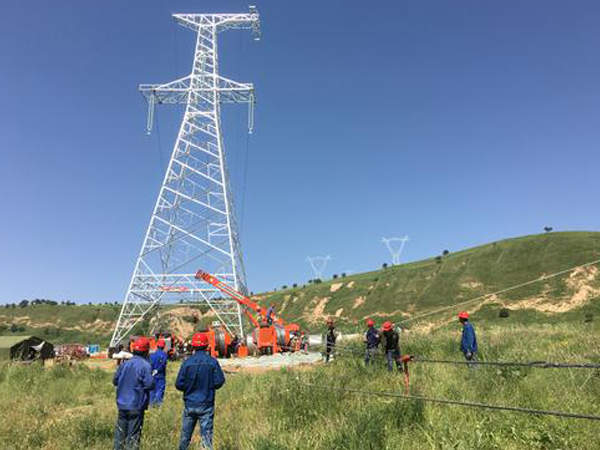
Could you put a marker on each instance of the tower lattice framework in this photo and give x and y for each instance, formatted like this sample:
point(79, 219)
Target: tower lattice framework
point(193, 225)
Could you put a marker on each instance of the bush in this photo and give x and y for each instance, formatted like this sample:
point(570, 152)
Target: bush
point(589, 317)
point(503, 313)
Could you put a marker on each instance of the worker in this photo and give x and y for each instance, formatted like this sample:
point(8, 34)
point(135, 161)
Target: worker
point(199, 377)
point(158, 361)
point(371, 339)
point(134, 381)
point(304, 342)
point(468, 342)
point(270, 312)
point(391, 345)
point(330, 339)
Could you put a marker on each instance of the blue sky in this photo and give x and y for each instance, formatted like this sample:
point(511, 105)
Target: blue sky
point(456, 123)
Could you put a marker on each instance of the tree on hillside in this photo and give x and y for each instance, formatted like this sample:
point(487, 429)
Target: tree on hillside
point(343, 274)
point(384, 265)
point(438, 259)
point(445, 252)
point(23, 303)
point(335, 276)
point(295, 285)
point(547, 229)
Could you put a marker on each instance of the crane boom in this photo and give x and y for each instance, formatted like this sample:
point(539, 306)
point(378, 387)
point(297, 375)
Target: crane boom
point(237, 296)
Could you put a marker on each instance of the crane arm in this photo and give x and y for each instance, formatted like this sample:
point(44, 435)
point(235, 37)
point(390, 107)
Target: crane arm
point(237, 296)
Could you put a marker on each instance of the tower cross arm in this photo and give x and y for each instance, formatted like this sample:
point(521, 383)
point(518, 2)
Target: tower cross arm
point(179, 91)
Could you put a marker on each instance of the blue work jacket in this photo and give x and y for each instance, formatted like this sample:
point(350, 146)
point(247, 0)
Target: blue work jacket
point(468, 343)
point(133, 380)
point(158, 361)
point(372, 337)
point(198, 378)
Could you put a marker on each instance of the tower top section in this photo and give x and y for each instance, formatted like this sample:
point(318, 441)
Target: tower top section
point(222, 22)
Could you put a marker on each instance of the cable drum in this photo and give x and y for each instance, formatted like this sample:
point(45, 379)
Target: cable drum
point(280, 336)
point(220, 344)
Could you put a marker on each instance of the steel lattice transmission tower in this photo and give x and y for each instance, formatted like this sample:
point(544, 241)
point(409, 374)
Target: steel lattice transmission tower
point(193, 223)
point(318, 264)
point(395, 251)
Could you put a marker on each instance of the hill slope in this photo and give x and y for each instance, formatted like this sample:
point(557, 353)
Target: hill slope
point(397, 293)
point(405, 291)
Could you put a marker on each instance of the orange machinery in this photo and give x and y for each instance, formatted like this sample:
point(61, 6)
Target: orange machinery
point(219, 341)
point(270, 339)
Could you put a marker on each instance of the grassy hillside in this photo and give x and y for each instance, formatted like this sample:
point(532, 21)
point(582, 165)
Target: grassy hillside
point(407, 290)
point(396, 293)
point(85, 324)
point(74, 408)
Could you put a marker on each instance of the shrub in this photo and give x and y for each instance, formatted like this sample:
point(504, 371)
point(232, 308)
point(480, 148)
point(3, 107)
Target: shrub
point(503, 313)
point(589, 317)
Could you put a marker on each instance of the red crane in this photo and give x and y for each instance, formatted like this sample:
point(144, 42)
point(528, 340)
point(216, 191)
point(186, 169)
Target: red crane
point(269, 338)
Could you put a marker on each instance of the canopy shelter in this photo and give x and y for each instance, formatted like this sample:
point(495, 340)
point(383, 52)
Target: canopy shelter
point(25, 348)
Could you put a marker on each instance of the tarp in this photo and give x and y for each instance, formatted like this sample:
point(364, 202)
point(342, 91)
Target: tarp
point(25, 348)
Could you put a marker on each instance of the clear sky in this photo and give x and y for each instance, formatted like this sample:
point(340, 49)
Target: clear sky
point(454, 122)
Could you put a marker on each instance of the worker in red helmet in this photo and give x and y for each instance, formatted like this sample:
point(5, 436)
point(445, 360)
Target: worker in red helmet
point(371, 339)
point(390, 339)
point(330, 338)
point(468, 341)
point(134, 381)
point(158, 362)
point(199, 377)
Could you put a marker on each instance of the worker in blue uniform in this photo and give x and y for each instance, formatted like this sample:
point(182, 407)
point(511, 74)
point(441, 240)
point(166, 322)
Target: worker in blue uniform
point(199, 377)
point(158, 361)
point(468, 342)
point(134, 381)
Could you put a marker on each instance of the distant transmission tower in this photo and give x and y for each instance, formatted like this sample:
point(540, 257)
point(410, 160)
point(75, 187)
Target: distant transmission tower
point(395, 248)
point(318, 264)
point(193, 225)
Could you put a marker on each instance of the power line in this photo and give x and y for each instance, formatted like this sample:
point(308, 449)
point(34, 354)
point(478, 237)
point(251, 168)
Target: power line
point(538, 412)
point(533, 364)
point(501, 291)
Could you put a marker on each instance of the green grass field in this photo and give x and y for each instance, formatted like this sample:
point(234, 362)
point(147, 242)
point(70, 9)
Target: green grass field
point(73, 408)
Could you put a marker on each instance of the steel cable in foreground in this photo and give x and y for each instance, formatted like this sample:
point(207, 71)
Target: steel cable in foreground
point(537, 412)
point(534, 364)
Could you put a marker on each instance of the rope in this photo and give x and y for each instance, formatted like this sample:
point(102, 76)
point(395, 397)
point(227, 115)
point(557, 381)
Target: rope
point(244, 182)
point(501, 291)
point(458, 402)
point(534, 364)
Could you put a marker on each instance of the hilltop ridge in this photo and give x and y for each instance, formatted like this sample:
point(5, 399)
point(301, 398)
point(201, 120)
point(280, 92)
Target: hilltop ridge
point(399, 293)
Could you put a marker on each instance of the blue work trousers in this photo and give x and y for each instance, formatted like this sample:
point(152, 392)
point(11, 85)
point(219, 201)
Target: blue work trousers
point(471, 356)
point(393, 355)
point(128, 430)
point(158, 393)
point(370, 353)
point(205, 415)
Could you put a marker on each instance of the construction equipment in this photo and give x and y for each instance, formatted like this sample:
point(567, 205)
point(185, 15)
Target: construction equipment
point(271, 334)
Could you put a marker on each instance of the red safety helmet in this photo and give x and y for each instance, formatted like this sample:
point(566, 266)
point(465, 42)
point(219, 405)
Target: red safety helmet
point(160, 343)
point(463, 315)
point(142, 344)
point(200, 340)
point(370, 322)
point(387, 325)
